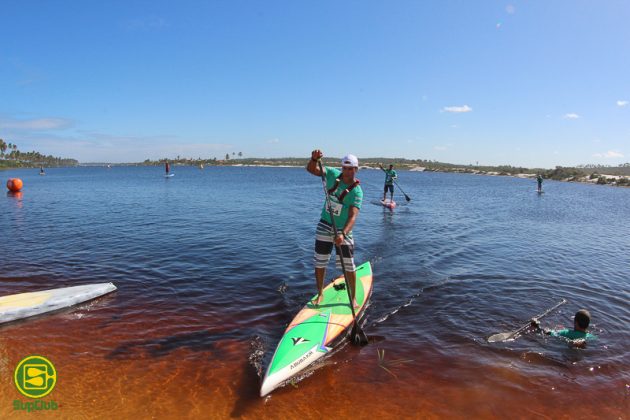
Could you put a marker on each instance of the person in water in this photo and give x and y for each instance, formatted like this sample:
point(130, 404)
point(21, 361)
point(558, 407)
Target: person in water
point(581, 321)
point(390, 176)
point(346, 196)
point(539, 179)
point(41, 169)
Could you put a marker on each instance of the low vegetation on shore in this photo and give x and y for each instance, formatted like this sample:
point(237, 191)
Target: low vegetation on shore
point(12, 157)
point(596, 174)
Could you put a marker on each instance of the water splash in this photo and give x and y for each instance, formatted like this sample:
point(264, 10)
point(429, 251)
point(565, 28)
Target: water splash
point(256, 354)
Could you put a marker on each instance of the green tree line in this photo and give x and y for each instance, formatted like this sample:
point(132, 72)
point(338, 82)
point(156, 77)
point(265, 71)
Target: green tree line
point(12, 157)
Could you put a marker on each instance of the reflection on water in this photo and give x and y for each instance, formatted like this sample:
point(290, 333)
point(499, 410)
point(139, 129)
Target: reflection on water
point(211, 266)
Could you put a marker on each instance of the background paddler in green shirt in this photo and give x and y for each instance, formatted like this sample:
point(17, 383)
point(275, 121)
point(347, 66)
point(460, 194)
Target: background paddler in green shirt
point(539, 180)
point(390, 176)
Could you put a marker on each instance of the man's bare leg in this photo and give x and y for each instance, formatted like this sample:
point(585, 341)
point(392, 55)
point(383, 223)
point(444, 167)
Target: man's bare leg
point(320, 273)
point(352, 280)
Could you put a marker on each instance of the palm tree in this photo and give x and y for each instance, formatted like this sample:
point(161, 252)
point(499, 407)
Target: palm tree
point(240, 154)
point(3, 147)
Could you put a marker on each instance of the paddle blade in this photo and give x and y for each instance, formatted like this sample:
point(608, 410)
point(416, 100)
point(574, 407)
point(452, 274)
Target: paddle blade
point(358, 336)
point(407, 198)
point(500, 337)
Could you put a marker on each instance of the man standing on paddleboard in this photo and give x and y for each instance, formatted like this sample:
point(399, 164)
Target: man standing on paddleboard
point(345, 196)
point(390, 176)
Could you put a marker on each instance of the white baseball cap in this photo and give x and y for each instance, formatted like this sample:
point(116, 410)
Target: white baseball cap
point(350, 161)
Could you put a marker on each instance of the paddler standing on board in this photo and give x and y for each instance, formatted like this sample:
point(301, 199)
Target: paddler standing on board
point(390, 176)
point(346, 197)
point(167, 166)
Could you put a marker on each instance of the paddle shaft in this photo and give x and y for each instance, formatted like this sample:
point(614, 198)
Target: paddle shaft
point(401, 190)
point(337, 247)
point(562, 302)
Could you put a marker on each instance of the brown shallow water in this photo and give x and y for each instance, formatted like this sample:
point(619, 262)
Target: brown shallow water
point(206, 288)
point(108, 367)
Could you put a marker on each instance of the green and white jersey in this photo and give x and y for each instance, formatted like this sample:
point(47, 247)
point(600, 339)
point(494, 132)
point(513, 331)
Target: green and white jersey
point(573, 334)
point(354, 198)
point(390, 175)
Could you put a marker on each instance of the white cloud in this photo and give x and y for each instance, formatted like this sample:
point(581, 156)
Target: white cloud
point(571, 116)
point(611, 154)
point(457, 109)
point(27, 75)
point(440, 148)
point(37, 124)
point(147, 23)
point(622, 103)
point(273, 141)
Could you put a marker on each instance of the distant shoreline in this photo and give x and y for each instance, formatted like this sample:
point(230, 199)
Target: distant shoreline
point(565, 174)
point(613, 180)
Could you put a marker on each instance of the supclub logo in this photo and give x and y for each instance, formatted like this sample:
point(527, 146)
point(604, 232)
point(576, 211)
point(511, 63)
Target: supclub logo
point(35, 376)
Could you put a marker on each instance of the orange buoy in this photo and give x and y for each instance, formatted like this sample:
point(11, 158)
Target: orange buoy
point(14, 184)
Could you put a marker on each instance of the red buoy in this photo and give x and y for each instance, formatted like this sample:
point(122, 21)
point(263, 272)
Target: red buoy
point(14, 184)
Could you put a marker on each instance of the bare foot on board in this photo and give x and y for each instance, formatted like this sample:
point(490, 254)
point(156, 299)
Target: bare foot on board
point(318, 300)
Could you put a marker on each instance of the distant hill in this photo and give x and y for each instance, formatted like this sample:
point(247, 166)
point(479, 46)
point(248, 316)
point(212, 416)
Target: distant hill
point(12, 157)
point(618, 174)
point(622, 170)
point(614, 175)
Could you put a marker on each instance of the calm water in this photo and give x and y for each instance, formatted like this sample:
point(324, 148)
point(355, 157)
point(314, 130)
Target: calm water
point(212, 264)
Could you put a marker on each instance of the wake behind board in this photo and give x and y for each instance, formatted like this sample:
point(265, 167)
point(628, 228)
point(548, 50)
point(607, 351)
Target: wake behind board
point(316, 330)
point(24, 305)
point(390, 204)
point(168, 175)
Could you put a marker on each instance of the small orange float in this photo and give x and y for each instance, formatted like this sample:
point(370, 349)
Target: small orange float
point(14, 184)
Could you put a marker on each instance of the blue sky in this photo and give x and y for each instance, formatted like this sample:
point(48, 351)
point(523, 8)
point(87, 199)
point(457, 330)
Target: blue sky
point(531, 83)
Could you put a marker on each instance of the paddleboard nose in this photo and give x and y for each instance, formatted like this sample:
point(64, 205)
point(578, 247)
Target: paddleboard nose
point(272, 382)
point(265, 389)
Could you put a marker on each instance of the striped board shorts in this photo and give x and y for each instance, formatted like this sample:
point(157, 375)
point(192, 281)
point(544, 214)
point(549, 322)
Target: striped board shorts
point(324, 243)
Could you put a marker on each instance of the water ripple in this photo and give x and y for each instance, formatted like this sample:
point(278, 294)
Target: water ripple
point(212, 265)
